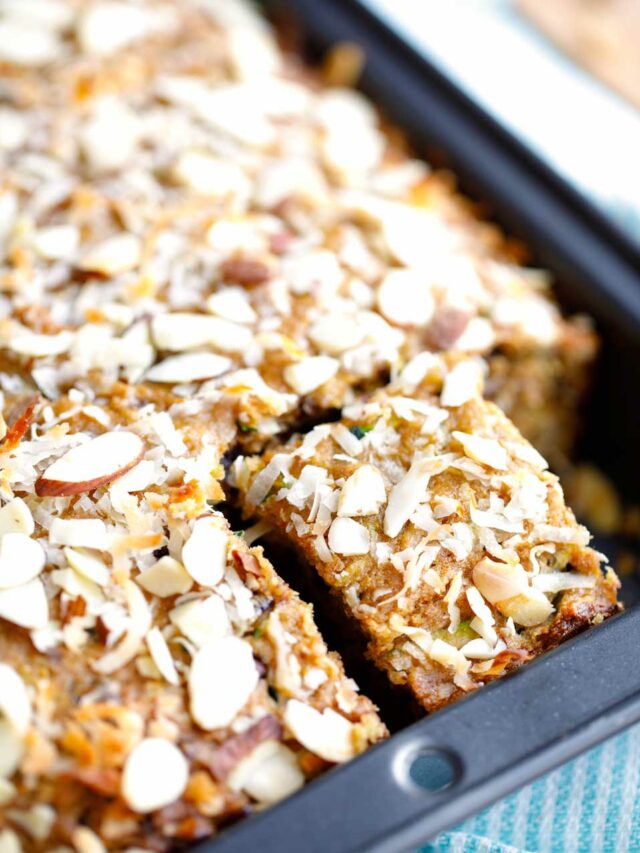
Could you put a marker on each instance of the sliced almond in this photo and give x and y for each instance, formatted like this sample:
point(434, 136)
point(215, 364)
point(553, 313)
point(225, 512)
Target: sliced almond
point(182, 331)
point(327, 733)
point(498, 581)
point(57, 243)
point(269, 774)
point(232, 303)
point(209, 175)
point(140, 477)
point(222, 677)
point(159, 651)
point(11, 750)
point(108, 26)
point(363, 493)
point(487, 451)
point(89, 565)
point(191, 367)
point(15, 517)
point(25, 605)
point(38, 346)
point(91, 465)
point(310, 373)
point(202, 621)
point(404, 298)
point(478, 649)
point(528, 610)
point(21, 559)
point(15, 704)
point(204, 554)
point(165, 578)
point(30, 46)
point(114, 256)
point(9, 840)
point(336, 333)
point(348, 537)
point(79, 533)
point(155, 774)
point(462, 383)
point(85, 840)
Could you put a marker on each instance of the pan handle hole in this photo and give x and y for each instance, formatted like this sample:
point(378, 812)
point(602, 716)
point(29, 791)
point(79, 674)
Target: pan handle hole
point(434, 770)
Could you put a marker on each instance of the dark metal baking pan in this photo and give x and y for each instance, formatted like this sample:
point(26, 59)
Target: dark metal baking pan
point(506, 734)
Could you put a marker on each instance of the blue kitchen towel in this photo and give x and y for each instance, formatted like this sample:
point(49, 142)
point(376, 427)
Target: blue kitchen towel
point(591, 805)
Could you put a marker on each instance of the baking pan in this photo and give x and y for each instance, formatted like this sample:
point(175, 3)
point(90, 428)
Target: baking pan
point(435, 772)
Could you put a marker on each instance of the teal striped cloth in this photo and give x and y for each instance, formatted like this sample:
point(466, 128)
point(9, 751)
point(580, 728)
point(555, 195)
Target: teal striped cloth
point(591, 805)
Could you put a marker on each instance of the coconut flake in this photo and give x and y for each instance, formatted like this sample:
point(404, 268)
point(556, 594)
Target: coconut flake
point(327, 733)
point(553, 582)
point(155, 774)
point(222, 677)
point(406, 495)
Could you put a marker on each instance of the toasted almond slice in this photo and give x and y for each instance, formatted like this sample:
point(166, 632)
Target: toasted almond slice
point(363, 493)
point(191, 367)
point(37, 346)
point(327, 733)
point(161, 655)
point(91, 465)
point(114, 256)
point(10, 842)
point(15, 517)
point(310, 373)
point(449, 656)
point(15, 704)
point(498, 581)
point(348, 537)
point(222, 677)
point(201, 621)
point(89, 565)
point(155, 774)
point(205, 552)
point(25, 605)
point(183, 331)
point(166, 577)
point(79, 533)
point(487, 451)
point(404, 298)
point(21, 559)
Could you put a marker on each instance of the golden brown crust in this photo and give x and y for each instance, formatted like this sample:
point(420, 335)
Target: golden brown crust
point(415, 564)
